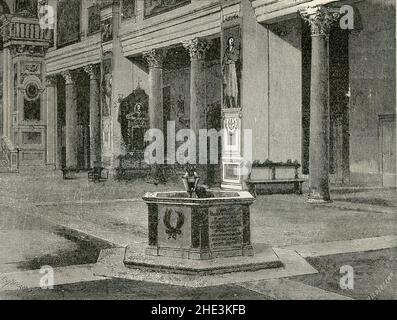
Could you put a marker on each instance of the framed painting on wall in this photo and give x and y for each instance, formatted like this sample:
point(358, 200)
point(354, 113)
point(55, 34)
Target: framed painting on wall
point(68, 22)
point(155, 7)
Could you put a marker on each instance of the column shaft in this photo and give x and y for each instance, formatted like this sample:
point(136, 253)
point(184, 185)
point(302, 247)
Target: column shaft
point(95, 116)
point(155, 60)
point(51, 119)
point(320, 19)
point(95, 124)
point(319, 121)
point(156, 97)
point(198, 97)
point(71, 121)
point(7, 82)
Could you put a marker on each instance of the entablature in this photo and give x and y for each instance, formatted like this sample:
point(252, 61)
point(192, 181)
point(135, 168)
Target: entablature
point(74, 56)
point(201, 18)
point(271, 11)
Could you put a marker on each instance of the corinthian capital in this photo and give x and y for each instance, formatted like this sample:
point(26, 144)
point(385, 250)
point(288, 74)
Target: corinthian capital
point(68, 76)
point(93, 71)
point(197, 48)
point(51, 80)
point(320, 19)
point(154, 58)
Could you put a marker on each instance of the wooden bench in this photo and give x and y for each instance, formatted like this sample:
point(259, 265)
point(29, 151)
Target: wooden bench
point(268, 173)
point(98, 174)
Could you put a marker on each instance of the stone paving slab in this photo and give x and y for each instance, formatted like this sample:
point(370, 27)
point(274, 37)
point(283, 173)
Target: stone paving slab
point(285, 289)
point(346, 246)
point(62, 275)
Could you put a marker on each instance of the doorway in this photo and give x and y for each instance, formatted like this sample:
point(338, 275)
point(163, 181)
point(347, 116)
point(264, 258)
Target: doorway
point(387, 133)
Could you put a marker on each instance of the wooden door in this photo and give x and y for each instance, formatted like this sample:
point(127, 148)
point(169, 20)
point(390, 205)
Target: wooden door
point(388, 150)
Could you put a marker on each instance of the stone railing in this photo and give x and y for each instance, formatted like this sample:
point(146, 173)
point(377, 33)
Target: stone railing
point(26, 29)
point(11, 153)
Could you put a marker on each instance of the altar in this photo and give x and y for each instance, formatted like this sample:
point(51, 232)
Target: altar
point(134, 121)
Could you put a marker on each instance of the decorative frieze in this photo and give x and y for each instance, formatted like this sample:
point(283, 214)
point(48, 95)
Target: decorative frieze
point(27, 50)
point(154, 58)
point(320, 19)
point(197, 48)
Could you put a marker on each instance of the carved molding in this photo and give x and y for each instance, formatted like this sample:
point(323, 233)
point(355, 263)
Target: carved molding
point(197, 48)
point(68, 76)
point(27, 50)
point(155, 57)
point(320, 19)
point(93, 71)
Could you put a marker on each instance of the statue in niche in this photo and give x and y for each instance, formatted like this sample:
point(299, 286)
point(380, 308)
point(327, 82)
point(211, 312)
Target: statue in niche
point(230, 65)
point(106, 89)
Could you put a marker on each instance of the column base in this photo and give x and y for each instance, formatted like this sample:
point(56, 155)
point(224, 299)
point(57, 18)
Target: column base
point(316, 198)
point(248, 250)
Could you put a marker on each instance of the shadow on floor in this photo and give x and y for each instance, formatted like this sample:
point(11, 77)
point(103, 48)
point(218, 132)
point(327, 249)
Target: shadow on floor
point(87, 252)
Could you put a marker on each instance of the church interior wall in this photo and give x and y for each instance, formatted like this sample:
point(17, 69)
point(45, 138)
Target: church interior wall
point(254, 89)
point(372, 55)
point(272, 87)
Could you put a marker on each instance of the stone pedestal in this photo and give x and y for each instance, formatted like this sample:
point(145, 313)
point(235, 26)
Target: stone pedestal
point(320, 19)
point(71, 119)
